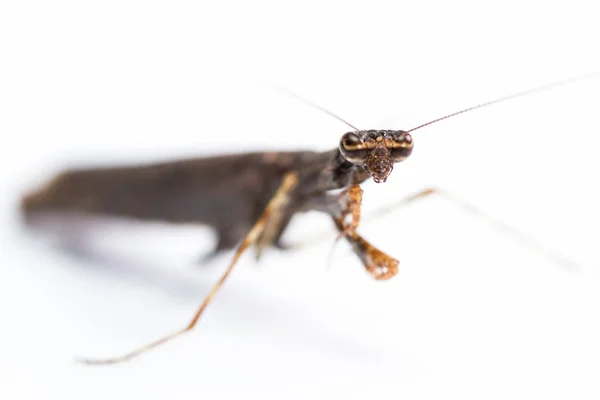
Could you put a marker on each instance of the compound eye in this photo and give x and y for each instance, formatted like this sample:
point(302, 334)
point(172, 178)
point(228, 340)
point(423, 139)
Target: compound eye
point(401, 147)
point(353, 149)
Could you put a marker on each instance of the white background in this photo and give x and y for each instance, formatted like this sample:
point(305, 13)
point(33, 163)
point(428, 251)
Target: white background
point(473, 313)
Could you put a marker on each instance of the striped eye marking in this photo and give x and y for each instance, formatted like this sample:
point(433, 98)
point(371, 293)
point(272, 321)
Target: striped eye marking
point(351, 142)
point(353, 148)
point(403, 141)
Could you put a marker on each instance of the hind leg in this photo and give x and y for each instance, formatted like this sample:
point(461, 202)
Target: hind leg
point(279, 202)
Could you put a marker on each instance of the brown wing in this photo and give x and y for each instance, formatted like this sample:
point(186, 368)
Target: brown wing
point(205, 190)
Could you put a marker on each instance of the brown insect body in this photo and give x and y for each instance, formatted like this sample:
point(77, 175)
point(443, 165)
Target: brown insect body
point(227, 193)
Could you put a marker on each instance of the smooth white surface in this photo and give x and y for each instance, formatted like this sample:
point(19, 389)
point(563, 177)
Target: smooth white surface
point(472, 313)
